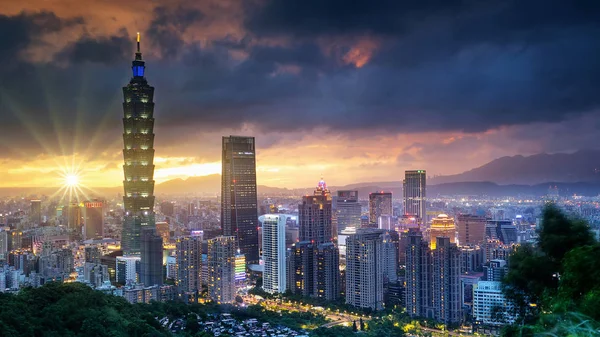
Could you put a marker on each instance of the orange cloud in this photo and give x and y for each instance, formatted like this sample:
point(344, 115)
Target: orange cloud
point(361, 52)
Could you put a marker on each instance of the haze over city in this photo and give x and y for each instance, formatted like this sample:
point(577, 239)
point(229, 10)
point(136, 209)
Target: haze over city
point(379, 88)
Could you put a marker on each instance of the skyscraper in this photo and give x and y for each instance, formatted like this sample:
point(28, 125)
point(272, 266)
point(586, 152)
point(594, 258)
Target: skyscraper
point(239, 214)
point(471, 229)
point(326, 272)
point(441, 226)
point(189, 265)
point(364, 269)
point(93, 224)
point(151, 266)
point(300, 266)
point(418, 275)
point(74, 216)
point(138, 155)
point(348, 210)
point(314, 215)
point(446, 281)
point(274, 253)
point(36, 212)
point(221, 269)
point(380, 203)
point(415, 201)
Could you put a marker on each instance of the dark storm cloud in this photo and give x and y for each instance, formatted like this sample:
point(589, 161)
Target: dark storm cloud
point(438, 66)
point(104, 50)
point(167, 27)
point(19, 31)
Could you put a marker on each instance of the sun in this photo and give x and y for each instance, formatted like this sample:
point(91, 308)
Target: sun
point(71, 180)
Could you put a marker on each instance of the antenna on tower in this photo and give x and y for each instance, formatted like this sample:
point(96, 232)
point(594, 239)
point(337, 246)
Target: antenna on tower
point(138, 42)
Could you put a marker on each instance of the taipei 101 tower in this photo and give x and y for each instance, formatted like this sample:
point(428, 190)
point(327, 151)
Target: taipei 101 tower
point(138, 155)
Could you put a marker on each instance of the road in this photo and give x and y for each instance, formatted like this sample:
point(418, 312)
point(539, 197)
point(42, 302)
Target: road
point(335, 317)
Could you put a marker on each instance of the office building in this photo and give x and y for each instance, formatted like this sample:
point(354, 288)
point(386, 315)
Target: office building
point(74, 217)
point(418, 275)
point(380, 203)
point(128, 269)
point(36, 212)
point(503, 230)
point(151, 262)
point(314, 216)
point(167, 208)
point(221, 269)
point(93, 224)
point(490, 306)
point(92, 254)
point(386, 222)
point(364, 269)
point(472, 259)
point(390, 257)
point(471, 229)
point(188, 259)
point(326, 272)
point(446, 291)
point(415, 200)
point(348, 210)
point(138, 156)
point(274, 253)
point(441, 226)
point(239, 215)
point(495, 270)
point(300, 268)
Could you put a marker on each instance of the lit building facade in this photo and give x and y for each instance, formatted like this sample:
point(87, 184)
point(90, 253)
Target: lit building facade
point(239, 214)
point(441, 226)
point(188, 261)
point(274, 253)
point(348, 210)
point(221, 269)
point(138, 155)
point(364, 269)
point(314, 216)
point(414, 194)
point(380, 203)
point(326, 272)
point(447, 300)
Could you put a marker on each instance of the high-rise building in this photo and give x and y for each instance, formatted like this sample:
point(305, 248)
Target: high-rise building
point(380, 203)
point(472, 259)
point(151, 266)
point(495, 270)
point(314, 216)
point(441, 226)
point(390, 257)
point(418, 275)
point(415, 200)
point(490, 306)
point(127, 269)
point(74, 216)
point(348, 210)
point(446, 281)
point(471, 229)
point(274, 253)
point(364, 269)
point(36, 212)
point(503, 230)
point(167, 208)
point(239, 214)
point(93, 224)
point(138, 156)
point(300, 266)
point(188, 261)
point(4, 236)
point(221, 269)
point(326, 272)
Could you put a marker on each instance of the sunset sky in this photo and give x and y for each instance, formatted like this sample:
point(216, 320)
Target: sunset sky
point(355, 91)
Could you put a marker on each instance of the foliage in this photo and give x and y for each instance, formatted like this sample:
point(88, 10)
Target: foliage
point(73, 309)
point(554, 284)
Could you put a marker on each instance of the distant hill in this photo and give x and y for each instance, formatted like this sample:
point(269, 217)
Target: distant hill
point(581, 166)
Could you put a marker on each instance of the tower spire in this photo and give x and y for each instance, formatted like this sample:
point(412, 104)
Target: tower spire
point(138, 42)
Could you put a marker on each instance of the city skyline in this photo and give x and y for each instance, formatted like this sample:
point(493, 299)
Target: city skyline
point(228, 70)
